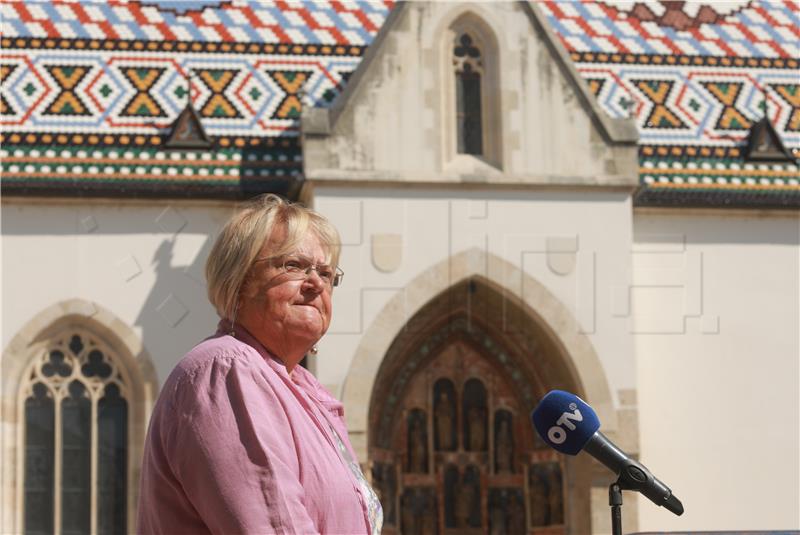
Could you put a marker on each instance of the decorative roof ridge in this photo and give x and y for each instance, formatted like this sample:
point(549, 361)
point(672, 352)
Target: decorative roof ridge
point(673, 12)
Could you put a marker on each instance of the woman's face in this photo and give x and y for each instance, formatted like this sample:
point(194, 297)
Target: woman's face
point(283, 309)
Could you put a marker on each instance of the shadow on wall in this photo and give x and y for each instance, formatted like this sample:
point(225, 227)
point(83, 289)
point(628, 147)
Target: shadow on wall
point(143, 262)
point(168, 309)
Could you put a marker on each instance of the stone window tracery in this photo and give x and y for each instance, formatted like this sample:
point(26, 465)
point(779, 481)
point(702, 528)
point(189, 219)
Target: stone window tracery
point(75, 404)
point(471, 110)
point(469, 72)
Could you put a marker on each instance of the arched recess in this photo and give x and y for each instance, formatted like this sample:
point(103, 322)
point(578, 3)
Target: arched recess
point(29, 343)
point(469, 356)
point(573, 349)
point(485, 66)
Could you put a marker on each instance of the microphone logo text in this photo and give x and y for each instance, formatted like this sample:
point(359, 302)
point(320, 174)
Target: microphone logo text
point(557, 434)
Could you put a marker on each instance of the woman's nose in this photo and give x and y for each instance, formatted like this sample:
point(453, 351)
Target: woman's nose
point(313, 279)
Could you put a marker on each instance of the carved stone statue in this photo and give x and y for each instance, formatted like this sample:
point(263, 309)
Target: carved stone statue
point(429, 519)
point(409, 519)
point(497, 519)
point(516, 515)
point(444, 422)
point(385, 488)
point(419, 512)
point(417, 446)
point(539, 498)
point(504, 447)
point(555, 496)
point(466, 500)
point(477, 429)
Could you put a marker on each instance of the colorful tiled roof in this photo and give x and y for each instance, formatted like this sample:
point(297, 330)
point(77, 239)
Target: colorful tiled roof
point(704, 85)
point(762, 29)
point(112, 75)
point(695, 79)
point(121, 67)
point(132, 90)
point(90, 90)
point(331, 22)
point(73, 169)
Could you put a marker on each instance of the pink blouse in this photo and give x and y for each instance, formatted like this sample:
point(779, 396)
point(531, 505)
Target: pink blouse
point(238, 445)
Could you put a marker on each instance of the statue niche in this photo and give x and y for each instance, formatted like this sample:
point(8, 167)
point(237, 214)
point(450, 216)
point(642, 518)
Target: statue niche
point(474, 409)
point(462, 505)
point(417, 445)
point(503, 442)
point(468, 507)
point(546, 496)
point(444, 415)
point(451, 479)
point(419, 511)
point(506, 511)
point(384, 481)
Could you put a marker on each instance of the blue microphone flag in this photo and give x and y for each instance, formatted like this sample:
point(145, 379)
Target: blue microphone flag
point(564, 421)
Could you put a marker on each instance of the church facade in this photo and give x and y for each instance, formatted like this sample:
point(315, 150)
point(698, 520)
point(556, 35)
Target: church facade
point(598, 197)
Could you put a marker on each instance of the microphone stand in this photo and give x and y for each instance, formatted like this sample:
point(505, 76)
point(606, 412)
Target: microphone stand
point(615, 501)
point(630, 476)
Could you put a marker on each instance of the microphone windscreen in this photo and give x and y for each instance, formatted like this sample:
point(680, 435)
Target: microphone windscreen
point(564, 421)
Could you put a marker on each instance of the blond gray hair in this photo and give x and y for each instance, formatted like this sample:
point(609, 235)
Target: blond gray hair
point(244, 235)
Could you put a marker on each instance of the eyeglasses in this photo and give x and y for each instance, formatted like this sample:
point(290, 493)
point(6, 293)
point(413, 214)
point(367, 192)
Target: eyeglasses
point(301, 265)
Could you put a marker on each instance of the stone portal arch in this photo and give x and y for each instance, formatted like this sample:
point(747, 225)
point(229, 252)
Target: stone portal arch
point(28, 345)
point(450, 441)
point(525, 341)
point(573, 348)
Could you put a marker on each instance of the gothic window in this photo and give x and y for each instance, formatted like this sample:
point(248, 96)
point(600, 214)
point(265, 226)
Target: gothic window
point(471, 111)
point(469, 73)
point(75, 433)
point(461, 457)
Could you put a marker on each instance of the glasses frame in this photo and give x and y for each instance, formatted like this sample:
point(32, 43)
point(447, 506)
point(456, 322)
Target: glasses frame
point(281, 261)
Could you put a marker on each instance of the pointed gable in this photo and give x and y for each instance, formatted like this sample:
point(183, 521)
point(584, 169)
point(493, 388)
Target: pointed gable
point(398, 118)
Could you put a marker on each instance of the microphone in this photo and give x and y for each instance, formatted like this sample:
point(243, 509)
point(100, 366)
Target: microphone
point(568, 424)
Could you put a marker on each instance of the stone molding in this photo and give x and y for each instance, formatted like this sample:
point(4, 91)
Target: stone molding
point(130, 354)
point(575, 348)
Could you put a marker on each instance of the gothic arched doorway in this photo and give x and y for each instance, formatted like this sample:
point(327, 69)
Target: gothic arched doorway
point(451, 446)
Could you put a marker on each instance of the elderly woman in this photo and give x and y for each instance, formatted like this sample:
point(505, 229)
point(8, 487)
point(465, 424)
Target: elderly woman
point(242, 438)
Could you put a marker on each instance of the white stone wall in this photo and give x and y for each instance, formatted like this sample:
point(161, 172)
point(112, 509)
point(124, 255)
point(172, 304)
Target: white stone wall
point(693, 316)
point(717, 306)
point(142, 261)
point(131, 269)
point(574, 244)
